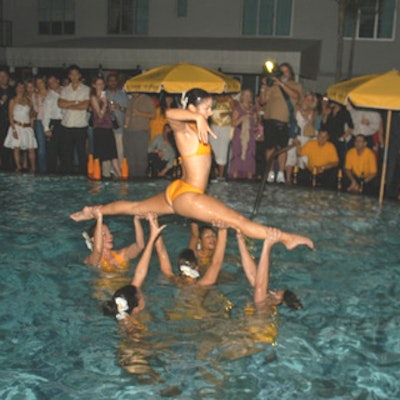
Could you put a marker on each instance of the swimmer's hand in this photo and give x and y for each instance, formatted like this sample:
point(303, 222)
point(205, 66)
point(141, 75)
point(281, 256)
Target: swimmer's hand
point(155, 230)
point(203, 129)
point(84, 215)
point(219, 224)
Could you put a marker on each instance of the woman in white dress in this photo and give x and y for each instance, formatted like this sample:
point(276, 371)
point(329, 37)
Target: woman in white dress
point(20, 134)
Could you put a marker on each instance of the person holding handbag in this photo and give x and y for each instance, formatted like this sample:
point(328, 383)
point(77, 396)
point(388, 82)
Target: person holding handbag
point(277, 115)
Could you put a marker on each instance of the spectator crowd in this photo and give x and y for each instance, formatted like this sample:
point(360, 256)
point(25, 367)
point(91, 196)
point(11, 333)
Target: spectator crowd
point(49, 125)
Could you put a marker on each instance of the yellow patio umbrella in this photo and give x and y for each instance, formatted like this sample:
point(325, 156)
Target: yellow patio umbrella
point(181, 77)
point(381, 91)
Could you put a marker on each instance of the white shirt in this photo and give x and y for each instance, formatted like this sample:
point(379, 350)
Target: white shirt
point(75, 118)
point(51, 109)
point(365, 122)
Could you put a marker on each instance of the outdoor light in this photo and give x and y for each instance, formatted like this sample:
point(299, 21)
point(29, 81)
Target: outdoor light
point(271, 70)
point(270, 66)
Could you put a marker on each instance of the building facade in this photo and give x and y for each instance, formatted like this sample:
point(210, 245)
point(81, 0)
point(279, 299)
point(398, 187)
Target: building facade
point(235, 36)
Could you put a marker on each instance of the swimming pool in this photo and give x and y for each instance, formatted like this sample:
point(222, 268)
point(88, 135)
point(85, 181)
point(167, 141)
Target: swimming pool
point(56, 344)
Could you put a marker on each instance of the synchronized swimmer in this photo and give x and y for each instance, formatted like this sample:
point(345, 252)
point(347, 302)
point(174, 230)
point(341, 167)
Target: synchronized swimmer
point(186, 196)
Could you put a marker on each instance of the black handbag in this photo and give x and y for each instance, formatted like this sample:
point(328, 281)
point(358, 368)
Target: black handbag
point(114, 121)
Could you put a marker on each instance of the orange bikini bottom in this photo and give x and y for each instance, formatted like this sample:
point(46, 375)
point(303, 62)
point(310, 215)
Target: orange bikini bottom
point(178, 187)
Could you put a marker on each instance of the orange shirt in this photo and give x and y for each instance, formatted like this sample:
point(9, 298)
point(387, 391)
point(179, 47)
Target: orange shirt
point(359, 164)
point(157, 124)
point(319, 155)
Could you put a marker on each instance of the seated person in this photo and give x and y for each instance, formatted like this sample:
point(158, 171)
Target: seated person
point(361, 169)
point(161, 153)
point(128, 300)
point(100, 241)
point(322, 161)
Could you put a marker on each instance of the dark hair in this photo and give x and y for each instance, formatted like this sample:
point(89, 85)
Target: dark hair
point(187, 257)
point(112, 75)
point(20, 82)
point(74, 67)
point(361, 135)
point(129, 293)
point(53, 75)
point(93, 91)
point(40, 77)
point(291, 300)
point(163, 103)
point(289, 67)
point(206, 227)
point(196, 96)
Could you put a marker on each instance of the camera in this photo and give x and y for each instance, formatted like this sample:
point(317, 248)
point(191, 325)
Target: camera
point(271, 70)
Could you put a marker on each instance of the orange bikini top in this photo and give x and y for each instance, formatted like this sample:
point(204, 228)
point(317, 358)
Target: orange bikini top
point(108, 267)
point(202, 150)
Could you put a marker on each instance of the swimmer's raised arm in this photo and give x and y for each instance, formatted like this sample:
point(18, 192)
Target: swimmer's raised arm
point(194, 236)
point(95, 256)
point(262, 275)
point(135, 248)
point(163, 258)
point(143, 265)
point(248, 264)
point(176, 115)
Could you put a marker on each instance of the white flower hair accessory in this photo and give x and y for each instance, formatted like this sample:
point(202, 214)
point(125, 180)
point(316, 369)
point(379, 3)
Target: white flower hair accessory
point(89, 243)
point(122, 307)
point(188, 271)
point(184, 100)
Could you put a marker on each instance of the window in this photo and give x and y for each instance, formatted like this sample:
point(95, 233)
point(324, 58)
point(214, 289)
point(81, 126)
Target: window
point(375, 20)
point(181, 8)
point(56, 17)
point(267, 17)
point(127, 17)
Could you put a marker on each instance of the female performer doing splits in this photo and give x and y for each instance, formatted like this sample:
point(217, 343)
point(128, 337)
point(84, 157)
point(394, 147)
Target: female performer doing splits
point(186, 196)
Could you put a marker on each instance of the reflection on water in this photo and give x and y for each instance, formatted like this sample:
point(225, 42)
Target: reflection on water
point(55, 342)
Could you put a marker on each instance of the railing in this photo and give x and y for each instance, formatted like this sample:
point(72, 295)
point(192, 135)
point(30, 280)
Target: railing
point(5, 33)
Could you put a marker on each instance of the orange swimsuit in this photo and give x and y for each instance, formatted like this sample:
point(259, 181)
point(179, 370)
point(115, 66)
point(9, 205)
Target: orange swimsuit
point(178, 187)
point(202, 150)
point(108, 267)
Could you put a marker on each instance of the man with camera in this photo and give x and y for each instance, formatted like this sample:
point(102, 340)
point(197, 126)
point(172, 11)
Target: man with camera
point(275, 88)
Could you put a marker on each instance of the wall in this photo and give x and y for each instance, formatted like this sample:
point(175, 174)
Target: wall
point(314, 19)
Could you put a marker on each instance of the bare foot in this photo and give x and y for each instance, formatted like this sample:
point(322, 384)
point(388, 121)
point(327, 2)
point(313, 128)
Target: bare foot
point(291, 240)
point(84, 215)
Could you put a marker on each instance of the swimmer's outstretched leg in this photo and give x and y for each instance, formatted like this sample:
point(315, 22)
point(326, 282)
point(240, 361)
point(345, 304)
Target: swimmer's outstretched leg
point(208, 209)
point(156, 204)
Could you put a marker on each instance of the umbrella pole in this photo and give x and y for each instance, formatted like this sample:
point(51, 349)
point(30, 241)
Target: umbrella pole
point(385, 156)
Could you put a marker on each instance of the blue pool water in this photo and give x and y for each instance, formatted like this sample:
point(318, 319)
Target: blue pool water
point(56, 344)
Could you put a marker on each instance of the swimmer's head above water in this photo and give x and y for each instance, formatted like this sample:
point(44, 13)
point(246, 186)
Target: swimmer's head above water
point(108, 238)
point(122, 303)
point(285, 297)
point(291, 300)
point(208, 237)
